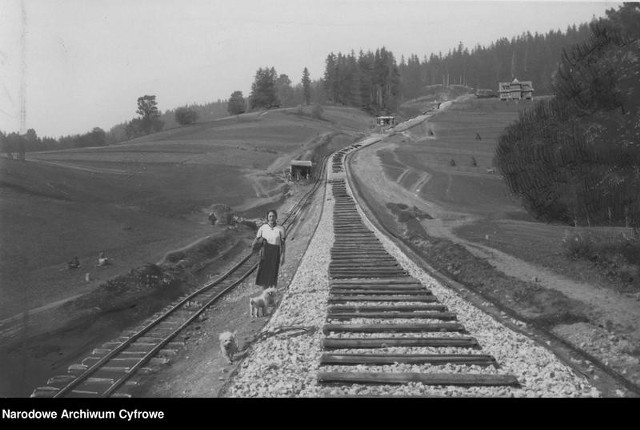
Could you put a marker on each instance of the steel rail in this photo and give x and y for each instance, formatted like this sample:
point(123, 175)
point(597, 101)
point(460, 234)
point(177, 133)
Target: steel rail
point(288, 222)
point(362, 271)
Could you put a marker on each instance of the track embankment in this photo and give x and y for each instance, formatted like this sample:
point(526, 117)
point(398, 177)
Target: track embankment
point(361, 318)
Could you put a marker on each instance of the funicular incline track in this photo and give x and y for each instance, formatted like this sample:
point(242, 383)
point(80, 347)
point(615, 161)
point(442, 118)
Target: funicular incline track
point(108, 370)
point(375, 307)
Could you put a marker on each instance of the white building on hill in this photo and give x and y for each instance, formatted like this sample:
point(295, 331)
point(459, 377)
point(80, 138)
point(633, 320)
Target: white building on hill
point(516, 90)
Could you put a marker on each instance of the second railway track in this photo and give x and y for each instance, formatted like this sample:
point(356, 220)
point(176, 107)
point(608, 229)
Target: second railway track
point(108, 370)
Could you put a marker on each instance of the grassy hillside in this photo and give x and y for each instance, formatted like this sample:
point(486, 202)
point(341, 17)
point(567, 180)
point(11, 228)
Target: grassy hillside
point(140, 199)
point(464, 132)
point(474, 201)
point(432, 95)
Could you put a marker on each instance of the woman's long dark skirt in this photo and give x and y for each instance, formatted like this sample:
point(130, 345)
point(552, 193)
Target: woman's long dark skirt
point(269, 265)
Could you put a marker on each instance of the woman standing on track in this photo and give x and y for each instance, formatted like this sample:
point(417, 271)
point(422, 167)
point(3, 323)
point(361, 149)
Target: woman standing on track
point(273, 237)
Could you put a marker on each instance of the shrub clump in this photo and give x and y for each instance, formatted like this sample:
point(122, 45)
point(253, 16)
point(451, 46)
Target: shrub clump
point(617, 255)
point(151, 276)
point(404, 214)
point(175, 256)
point(317, 111)
point(220, 214)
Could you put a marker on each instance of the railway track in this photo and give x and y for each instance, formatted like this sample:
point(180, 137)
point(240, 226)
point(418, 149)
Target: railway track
point(381, 327)
point(109, 369)
point(375, 307)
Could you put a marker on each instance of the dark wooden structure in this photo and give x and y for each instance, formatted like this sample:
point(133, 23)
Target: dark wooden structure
point(300, 169)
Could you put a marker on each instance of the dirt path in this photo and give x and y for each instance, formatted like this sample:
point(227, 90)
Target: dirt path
point(611, 334)
point(605, 305)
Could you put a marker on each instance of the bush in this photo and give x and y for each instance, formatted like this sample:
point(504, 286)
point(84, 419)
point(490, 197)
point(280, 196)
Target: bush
point(317, 111)
point(616, 254)
point(578, 245)
point(186, 116)
point(404, 216)
point(175, 256)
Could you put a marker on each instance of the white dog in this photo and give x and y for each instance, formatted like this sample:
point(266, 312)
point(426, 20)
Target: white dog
point(258, 305)
point(228, 345)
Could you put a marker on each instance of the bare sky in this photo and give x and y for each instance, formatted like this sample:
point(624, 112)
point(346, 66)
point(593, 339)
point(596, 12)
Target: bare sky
point(87, 61)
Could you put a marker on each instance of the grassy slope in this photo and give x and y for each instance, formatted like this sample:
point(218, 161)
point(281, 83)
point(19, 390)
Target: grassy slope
point(141, 199)
point(463, 186)
point(497, 218)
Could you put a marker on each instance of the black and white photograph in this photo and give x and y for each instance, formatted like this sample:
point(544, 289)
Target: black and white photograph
point(317, 199)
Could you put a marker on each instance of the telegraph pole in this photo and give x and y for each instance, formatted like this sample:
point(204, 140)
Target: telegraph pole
point(23, 71)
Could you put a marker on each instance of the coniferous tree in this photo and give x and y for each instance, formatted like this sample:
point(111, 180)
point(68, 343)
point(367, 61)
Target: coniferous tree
point(306, 87)
point(575, 158)
point(284, 91)
point(365, 68)
point(330, 80)
point(263, 90)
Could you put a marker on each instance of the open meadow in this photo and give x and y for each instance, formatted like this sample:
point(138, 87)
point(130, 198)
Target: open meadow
point(446, 160)
point(139, 200)
point(455, 149)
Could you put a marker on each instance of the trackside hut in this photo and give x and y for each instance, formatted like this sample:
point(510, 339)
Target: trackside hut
point(300, 169)
point(386, 121)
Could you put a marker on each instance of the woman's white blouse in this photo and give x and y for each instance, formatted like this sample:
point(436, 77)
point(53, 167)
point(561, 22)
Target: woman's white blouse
point(272, 235)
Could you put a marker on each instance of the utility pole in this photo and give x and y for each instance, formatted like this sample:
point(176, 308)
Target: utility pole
point(23, 71)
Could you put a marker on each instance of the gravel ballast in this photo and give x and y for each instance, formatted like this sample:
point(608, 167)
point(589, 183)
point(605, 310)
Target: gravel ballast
point(285, 362)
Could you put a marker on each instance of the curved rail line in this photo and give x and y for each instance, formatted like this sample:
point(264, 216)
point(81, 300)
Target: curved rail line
point(538, 334)
point(368, 284)
point(147, 347)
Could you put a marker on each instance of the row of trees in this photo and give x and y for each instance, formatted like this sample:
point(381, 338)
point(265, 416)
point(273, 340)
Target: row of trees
point(376, 83)
point(148, 121)
point(269, 90)
point(528, 57)
point(576, 157)
point(14, 143)
point(371, 81)
point(272, 90)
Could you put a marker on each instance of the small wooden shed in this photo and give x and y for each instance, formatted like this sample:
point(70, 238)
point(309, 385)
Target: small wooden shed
point(386, 121)
point(300, 169)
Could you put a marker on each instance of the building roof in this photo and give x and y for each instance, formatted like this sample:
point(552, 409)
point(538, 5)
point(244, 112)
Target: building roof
point(301, 163)
point(515, 85)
